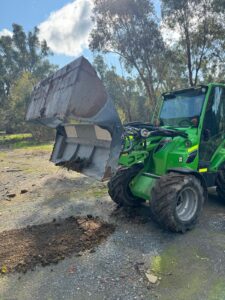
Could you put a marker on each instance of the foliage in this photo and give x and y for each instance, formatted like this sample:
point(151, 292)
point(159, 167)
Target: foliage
point(23, 62)
point(125, 92)
point(17, 101)
point(130, 29)
point(194, 54)
point(200, 24)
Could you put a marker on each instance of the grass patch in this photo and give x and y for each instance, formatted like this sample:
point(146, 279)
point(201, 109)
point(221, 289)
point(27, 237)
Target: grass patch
point(217, 291)
point(98, 193)
point(6, 138)
point(23, 141)
point(32, 145)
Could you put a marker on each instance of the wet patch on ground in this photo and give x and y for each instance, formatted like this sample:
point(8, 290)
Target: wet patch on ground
point(23, 249)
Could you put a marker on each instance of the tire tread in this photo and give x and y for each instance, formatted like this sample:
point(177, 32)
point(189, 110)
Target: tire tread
point(164, 197)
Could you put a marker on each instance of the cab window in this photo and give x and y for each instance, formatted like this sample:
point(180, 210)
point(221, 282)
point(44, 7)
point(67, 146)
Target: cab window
point(214, 124)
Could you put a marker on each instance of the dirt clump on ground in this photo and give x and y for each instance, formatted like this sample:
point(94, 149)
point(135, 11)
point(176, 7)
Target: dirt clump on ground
point(23, 249)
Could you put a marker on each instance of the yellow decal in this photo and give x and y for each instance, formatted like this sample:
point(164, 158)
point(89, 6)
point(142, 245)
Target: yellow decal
point(192, 149)
point(203, 170)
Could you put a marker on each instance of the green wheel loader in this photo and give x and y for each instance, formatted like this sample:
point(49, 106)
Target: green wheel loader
point(170, 164)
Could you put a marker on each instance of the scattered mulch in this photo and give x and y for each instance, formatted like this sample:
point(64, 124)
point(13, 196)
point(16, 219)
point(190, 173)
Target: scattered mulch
point(24, 191)
point(11, 195)
point(137, 215)
point(23, 249)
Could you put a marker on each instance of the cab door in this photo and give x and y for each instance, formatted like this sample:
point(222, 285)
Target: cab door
point(213, 131)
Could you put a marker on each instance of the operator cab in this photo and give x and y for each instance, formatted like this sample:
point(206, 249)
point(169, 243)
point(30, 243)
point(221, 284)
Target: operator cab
point(182, 109)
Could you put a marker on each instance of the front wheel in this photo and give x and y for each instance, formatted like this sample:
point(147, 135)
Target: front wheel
point(119, 187)
point(177, 201)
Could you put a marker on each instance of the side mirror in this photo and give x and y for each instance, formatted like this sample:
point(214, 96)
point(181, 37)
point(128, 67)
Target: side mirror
point(206, 135)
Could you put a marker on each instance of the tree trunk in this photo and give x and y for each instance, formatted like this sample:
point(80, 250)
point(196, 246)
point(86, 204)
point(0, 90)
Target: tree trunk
point(189, 60)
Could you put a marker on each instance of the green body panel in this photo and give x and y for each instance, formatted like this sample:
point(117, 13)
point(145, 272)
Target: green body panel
point(218, 158)
point(133, 158)
point(142, 185)
point(173, 154)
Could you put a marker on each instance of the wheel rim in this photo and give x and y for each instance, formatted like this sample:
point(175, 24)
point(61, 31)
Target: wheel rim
point(187, 204)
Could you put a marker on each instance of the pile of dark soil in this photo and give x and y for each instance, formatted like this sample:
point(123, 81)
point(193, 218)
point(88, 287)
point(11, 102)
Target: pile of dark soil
point(23, 249)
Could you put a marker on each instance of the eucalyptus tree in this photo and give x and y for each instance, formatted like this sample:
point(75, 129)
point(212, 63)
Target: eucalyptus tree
point(201, 30)
point(130, 29)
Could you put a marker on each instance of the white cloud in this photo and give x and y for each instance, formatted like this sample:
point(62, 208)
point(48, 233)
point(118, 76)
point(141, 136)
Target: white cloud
point(5, 32)
point(67, 29)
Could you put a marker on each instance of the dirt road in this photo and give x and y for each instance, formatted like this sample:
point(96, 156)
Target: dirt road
point(34, 192)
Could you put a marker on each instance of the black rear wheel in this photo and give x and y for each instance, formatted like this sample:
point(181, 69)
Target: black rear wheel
point(177, 201)
point(119, 189)
point(220, 183)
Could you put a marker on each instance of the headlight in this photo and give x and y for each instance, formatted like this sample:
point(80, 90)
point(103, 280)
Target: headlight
point(145, 133)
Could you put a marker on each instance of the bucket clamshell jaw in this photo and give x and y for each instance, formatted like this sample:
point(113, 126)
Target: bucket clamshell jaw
point(88, 129)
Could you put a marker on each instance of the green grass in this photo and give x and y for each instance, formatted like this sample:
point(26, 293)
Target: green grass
point(98, 193)
point(32, 145)
point(24, 141)
point(6, 138)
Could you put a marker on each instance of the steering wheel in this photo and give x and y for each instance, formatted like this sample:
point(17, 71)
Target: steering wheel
point(185, 123)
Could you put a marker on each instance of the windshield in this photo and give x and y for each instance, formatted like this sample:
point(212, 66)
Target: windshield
point(182, 109)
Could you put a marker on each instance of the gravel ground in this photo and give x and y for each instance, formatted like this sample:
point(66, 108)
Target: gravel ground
point(188, 266)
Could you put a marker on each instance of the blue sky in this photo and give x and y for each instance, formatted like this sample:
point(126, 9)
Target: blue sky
point(64, 24)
